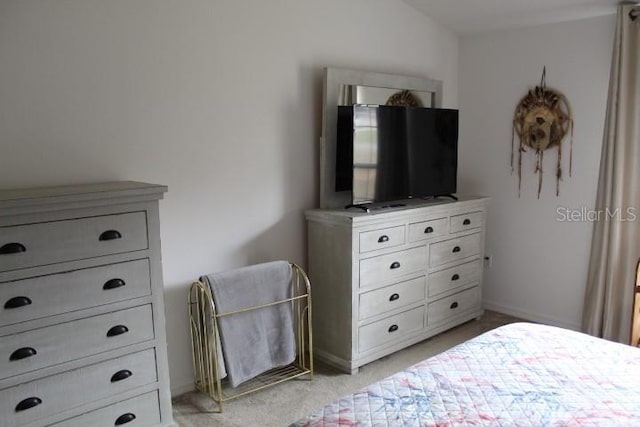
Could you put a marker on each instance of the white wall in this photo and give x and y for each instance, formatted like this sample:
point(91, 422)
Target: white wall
point(220, 100)
point(539, 263)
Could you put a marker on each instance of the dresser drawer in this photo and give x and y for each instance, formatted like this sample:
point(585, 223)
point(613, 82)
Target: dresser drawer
point(452, 278)
point(466, 221)
point(428, 229)
point(383, 238)
point(31, 245)
point(450, 307)
point(391, 297)
point(73, 340)
point(454, 249)
point(376, 270)
point(44, 296)
point(143, 411)
point(389, 329)
point(68, 390)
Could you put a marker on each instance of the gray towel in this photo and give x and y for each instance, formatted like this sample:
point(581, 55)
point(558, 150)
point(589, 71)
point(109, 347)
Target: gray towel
point(219, 369)
point(255, 341)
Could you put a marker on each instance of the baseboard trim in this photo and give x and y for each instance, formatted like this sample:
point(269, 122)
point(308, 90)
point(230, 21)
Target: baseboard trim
point(530, 316)
point(183, 388)
point(335, 361)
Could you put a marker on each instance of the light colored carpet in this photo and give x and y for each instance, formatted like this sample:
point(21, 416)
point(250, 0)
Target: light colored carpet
point(289, 401)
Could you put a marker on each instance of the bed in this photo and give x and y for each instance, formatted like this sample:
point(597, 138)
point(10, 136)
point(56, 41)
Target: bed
point(520, 374)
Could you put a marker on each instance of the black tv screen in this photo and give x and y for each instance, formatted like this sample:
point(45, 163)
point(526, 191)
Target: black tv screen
point(387, 153)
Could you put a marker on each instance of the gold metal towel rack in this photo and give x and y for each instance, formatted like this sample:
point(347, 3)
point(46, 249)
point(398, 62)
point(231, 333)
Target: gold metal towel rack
point(206, 342)
point(635, 316)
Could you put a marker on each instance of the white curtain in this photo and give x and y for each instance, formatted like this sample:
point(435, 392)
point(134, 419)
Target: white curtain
point(615, 247)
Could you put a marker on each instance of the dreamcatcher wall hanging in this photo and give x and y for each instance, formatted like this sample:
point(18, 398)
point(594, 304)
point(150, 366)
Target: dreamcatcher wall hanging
point(541, 121)
point(404, 98)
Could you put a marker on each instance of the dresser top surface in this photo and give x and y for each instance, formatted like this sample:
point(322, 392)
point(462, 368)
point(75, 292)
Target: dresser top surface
point(24, 200)
point(392, 209)
point(7, 195)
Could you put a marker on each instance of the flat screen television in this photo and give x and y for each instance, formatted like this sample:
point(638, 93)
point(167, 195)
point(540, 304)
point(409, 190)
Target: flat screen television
point(386, 153)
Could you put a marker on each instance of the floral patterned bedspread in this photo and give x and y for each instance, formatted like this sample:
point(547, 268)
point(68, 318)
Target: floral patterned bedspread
point(517, 375)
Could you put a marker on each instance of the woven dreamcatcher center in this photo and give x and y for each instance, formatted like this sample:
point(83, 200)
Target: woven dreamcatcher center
point(404, 98)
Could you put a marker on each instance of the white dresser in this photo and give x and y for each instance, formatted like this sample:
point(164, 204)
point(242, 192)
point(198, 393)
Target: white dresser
point(390, 278)
point(82, 337)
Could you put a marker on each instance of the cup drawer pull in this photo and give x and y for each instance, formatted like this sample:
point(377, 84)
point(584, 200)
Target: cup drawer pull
point(394, 297)
point(23, 353)
point(12, 248)
point(383, 238)
point(113, 284)
point(28, 403)
point(125, 418)
point(466, 222)
point(110, 235)
point(393, 328)
point(121, 375)
point(455, 277)
point(394, 265)
point(453, 305)
point(456, 249)
point(428, 230)
point(17, 302)
point(117, 330)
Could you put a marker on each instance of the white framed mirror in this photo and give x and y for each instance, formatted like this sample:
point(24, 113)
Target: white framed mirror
point(348, 87)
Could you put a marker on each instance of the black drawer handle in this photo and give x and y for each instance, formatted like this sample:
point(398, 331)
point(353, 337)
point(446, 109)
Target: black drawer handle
point(393, 328)
point(125, 418)
point(428, 230)
point(113, 284)
point(466, 222)
point(383, 238)
point(12, 248)
point(121, 375)
point(117, 330)
point(456, 249)
point(394, 265)
point(28, 403)
point(17, 302)
point(23, 353)
point(453, 305)
point(455, 277)
point(394, 297)
point(110, 235)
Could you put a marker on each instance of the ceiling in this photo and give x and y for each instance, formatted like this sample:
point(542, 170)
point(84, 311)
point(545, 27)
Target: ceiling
point(467, 17)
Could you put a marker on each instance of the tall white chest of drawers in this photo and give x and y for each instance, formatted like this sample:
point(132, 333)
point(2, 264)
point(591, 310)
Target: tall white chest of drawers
point(82, 337)
point(393, 277)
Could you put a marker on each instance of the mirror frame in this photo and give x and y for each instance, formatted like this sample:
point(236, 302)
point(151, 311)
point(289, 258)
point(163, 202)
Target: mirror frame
point(334, 78)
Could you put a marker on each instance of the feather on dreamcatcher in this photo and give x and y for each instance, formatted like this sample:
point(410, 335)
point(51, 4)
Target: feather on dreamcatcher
point(541, 120)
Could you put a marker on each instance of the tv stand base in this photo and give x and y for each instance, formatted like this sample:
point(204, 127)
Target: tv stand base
point(363, 207)
point(368, 209)
point(451, 196)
